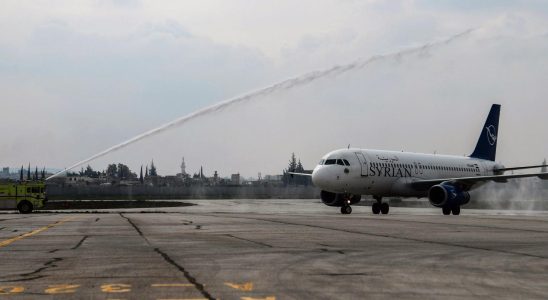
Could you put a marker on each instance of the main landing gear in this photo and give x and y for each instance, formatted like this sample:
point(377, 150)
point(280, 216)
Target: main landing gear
point(447, 210)
point(379, 206)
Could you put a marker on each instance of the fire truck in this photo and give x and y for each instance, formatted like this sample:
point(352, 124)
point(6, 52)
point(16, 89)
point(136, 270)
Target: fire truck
point(24, 196)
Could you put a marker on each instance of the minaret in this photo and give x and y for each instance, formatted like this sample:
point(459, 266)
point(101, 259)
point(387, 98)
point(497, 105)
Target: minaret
point(183, 167)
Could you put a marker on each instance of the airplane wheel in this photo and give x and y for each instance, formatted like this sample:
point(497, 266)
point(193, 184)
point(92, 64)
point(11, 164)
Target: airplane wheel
point(446, 210)
point(346, 210)
point(456, 210)
point(376, 208)
point(384, 208)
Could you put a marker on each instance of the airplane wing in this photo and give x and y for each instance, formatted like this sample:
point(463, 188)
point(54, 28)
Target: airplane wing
point(299, 174)
point(469, 181)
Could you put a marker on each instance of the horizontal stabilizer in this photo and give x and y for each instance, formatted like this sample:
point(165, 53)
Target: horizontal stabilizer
point(521, 168)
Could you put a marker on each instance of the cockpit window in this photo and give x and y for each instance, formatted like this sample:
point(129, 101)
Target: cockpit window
point(321, 162)
point(346, 162)
point(340, 162)
point(330, 161)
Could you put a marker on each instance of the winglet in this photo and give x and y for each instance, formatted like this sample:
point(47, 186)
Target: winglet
point(486, 148)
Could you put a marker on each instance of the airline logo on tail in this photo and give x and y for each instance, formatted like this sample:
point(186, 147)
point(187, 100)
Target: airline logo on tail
point(491, 136)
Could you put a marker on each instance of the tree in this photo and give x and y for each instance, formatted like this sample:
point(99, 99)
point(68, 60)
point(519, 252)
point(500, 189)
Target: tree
point(146, 171)
point(141, 179)
point(21, 173)
point(152, 171)
point(112, 171)
point(36, 173)
point(28, 173)
point(297, 167)
point(89, 172)
point(292, 163)
point(124, 172)
point(43, 175)
point(292, 167)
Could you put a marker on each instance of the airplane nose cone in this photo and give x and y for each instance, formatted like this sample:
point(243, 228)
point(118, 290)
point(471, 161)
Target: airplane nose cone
point(318, 177)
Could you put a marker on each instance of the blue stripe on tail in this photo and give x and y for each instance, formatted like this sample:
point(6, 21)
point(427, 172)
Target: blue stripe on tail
point(486, 148)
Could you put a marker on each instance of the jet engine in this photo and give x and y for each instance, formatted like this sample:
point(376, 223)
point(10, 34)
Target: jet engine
point(446, 194)
point(333, 199)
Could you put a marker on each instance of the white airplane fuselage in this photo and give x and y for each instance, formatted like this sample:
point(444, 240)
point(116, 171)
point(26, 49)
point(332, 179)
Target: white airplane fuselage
point(390, 173)
point(345, 175)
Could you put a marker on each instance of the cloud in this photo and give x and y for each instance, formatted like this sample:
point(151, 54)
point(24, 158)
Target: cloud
point(81, 78)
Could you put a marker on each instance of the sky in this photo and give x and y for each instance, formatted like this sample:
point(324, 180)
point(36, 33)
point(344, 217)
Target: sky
point(77, 77)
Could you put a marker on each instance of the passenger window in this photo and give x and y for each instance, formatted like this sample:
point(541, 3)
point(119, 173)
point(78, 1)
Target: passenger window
point(346, 162)
point(36, 190)
point(28, 190)
point(330, 161)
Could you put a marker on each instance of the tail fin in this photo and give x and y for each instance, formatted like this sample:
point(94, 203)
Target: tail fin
point(486, 148)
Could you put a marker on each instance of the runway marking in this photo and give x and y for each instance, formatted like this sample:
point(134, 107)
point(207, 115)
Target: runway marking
point(31, 233)
point(62, 289)
point(244, 287)
point(265, 298)
point(158, 285)
point(183, 299)
point(116, 288)
point(11, 289)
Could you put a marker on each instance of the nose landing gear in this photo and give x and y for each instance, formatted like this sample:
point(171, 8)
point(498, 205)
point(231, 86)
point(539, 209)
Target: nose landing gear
point(346, 209)
point(379, 206)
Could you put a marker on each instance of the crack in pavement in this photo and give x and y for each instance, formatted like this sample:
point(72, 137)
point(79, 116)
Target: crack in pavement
point(47, 265)
point(251, 241)
point(199, 286)
point(390, 236)
point(23, 279)
point(80, 243)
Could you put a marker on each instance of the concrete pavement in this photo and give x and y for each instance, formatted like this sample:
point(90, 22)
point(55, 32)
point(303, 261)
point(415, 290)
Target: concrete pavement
point(273, 249)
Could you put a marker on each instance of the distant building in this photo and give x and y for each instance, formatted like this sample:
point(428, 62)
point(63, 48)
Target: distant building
point(5, 174)
point(273, 179)
point(215, 178)
point(79, 180)
point(170, 181)
point(235, 179)
point(183, 168)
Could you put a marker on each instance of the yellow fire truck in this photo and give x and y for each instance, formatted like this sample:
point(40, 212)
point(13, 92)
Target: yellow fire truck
point(23, 196)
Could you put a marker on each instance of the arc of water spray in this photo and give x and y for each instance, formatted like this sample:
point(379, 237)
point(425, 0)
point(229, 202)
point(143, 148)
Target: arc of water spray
point(282, 85)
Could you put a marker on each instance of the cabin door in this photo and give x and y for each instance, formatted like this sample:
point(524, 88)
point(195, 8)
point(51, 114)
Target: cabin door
point(363, 163)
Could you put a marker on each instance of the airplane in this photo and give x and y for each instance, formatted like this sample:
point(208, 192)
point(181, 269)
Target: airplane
point(345, 175)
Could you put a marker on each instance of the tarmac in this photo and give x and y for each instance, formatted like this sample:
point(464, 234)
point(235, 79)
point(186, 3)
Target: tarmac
point(273, 249)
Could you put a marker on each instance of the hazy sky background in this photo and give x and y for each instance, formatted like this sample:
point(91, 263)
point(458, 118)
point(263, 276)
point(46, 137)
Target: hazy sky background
point(77, 77)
